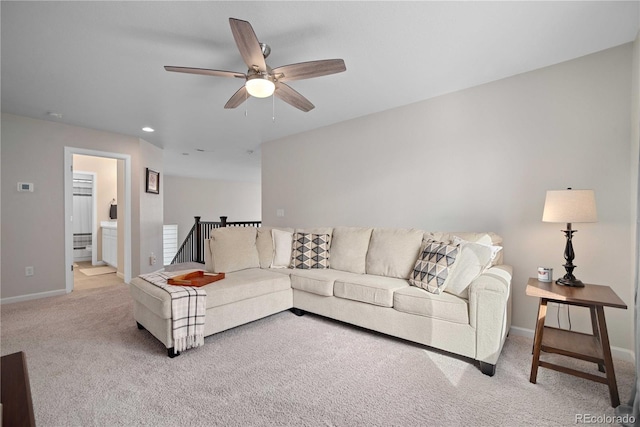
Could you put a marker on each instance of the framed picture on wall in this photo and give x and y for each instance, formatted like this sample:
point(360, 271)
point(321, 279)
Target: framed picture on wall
point(153, 181)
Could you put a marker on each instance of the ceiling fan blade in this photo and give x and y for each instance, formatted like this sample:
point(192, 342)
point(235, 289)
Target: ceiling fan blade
point(248, 44)
point(290, 96)
point(205, 72)
point(307, 70)
point(238, 98)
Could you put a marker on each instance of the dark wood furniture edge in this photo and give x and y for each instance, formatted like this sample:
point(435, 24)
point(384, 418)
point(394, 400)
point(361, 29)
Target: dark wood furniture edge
point(15, 391)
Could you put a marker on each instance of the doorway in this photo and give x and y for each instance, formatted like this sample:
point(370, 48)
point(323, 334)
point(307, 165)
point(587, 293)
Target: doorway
point(123, 220)
point(95, 194)
point(84, 213)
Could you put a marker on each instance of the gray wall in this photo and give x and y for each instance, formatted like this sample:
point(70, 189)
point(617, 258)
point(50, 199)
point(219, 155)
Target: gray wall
point(151, 209)
point(481, 160)
point(33, 223)
point(209, 199)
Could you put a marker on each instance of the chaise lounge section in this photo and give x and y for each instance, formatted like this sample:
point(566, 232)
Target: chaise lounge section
point(380, 279)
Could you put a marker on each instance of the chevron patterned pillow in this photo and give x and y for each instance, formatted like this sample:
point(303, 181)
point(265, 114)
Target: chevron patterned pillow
point(310, 251)
point(433, 266)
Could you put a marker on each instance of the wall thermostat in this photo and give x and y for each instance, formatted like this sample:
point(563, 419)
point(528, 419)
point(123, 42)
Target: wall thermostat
point(25, 186)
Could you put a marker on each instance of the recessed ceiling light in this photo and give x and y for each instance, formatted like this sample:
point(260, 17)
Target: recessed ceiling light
point(148, 129)
point(56, 115)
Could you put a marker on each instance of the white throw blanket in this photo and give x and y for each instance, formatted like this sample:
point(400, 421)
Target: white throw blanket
point(188, 307)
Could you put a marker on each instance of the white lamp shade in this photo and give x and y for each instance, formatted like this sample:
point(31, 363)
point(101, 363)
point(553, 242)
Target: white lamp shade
point(260, 87)
point(570, 206)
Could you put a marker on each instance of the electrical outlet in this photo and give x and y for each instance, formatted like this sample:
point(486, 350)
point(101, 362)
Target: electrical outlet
point(28, 271)
point(152, 259)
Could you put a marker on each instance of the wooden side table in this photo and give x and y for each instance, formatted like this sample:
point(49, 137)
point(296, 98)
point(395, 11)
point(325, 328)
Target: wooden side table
point(592, 348)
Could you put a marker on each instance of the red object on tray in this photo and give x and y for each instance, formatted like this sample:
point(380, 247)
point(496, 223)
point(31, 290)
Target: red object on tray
point(195, 279)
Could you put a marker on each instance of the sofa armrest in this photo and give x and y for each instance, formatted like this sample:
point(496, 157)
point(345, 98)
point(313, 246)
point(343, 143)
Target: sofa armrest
point(490, 311)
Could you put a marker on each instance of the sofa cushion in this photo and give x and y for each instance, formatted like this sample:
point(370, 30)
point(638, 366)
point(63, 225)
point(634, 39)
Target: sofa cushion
point(245, 284)
point(442, 306)
point(349, 247)
point(434, 265)
point(264, 243)
point(393, 252)
point(473, 260)
point(310, 251)
point(233, 249)
point(236, 286)
point(318, 281)
point(282, 242)
point(370, 289)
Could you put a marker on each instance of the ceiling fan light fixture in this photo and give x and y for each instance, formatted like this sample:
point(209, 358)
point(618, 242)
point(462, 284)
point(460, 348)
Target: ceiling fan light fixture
point(260, 86)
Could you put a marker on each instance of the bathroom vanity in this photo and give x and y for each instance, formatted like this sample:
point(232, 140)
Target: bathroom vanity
point(110, 242)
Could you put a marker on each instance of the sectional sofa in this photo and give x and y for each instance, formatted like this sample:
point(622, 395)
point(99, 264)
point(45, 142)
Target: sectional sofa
point(444, 290)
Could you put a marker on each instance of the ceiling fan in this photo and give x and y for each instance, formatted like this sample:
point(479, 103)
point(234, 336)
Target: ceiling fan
point(261, 80)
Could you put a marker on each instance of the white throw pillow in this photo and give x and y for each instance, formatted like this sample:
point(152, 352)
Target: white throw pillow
point(485, 241)
point(281, 248)
point(233, 249)
point(264, 242)
point(472, 261)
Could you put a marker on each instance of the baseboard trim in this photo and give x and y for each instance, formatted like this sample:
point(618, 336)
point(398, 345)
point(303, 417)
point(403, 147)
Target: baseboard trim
point(616, 352)
point(29, 297)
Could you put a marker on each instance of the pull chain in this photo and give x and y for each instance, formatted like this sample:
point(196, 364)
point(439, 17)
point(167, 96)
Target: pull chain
point(273, 108)
point(246, 101)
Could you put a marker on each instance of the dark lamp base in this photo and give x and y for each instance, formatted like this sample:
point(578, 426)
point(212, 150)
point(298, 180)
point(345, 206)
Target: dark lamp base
point(572, 282)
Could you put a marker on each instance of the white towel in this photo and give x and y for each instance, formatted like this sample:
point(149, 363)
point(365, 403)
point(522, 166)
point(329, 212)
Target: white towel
point(188, 307)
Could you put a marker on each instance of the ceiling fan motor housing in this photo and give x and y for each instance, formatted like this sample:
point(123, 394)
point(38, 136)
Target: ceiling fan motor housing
point(266, 49)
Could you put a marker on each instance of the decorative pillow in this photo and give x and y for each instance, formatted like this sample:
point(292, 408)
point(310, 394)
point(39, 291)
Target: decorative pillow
point(233, 249)
point(446, 236)
point(310, 251)
point(282, 242)
point(489, 239)
point(349, 247)
point(264, 242)
point(434, 265)
point(473, 260)
point(484, 242)
point(392, 252)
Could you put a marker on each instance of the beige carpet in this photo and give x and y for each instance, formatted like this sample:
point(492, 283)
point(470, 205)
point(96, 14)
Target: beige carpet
point(90, 365)
point(97, 271)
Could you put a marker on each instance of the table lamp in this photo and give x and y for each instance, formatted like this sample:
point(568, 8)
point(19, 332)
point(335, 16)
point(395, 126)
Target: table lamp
point(569, 206)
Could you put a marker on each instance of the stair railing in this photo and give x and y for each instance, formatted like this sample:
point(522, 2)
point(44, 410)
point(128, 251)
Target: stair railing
point(192, 249)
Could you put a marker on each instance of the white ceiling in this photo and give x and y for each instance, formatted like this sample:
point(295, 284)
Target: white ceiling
point(100, 64)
